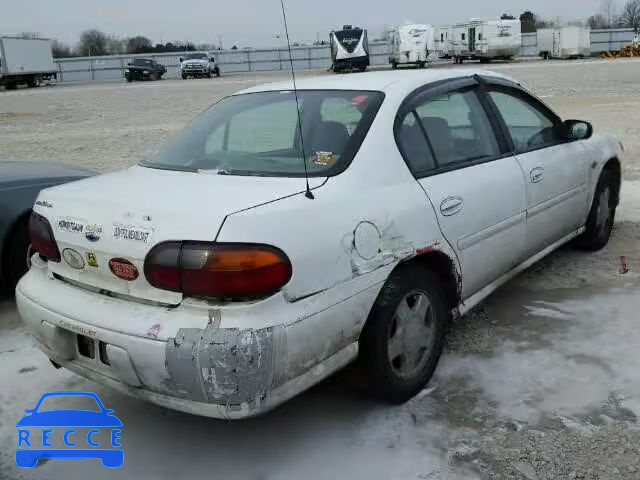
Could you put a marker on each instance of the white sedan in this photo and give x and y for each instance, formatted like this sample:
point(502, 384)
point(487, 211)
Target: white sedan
point(210, 279)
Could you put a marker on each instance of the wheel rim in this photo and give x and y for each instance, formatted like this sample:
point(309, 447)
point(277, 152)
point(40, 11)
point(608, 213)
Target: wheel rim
point(411, 334)
point(603, 213)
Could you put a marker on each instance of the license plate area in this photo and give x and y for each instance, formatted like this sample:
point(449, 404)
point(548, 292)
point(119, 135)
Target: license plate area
point(91, 349)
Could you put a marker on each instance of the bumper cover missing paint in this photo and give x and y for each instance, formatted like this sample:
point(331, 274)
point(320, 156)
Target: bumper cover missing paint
point(202, 369)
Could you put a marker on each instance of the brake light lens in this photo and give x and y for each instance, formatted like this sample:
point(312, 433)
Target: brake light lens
point(203, 269)
point(42, 238)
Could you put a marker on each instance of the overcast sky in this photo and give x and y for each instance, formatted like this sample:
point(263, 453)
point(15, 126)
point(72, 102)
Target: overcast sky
point(255, 22)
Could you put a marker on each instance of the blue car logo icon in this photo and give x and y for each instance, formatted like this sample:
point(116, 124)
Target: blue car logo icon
point(32, 446)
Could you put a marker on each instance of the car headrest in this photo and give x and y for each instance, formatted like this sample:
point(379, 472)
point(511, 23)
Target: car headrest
point(330, 137)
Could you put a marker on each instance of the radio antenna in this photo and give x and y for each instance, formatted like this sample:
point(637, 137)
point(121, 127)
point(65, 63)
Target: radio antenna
point(308, 193)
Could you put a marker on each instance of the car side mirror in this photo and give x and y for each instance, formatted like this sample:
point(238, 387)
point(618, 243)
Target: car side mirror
point(129, 64)
point(578, 129)
point(213, 60)
point(181, 59)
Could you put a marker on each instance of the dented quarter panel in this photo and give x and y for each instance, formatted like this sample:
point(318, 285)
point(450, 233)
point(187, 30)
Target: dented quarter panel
point(319, 235)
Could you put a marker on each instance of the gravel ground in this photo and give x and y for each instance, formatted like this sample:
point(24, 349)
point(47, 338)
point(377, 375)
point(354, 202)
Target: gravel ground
point(540, 382)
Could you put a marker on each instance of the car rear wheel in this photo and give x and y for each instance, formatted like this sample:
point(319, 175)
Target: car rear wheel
point(602, 215)
point(403, 339)
point(17, 254)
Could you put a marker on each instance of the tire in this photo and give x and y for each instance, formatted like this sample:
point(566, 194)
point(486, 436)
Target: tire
point(11, 86)
point(217, 72)
point(184, 77)
point(394, 65)
point(129, 79)
point(396, 366)
point(33, 82)
point(601, 216)
point(16, 258)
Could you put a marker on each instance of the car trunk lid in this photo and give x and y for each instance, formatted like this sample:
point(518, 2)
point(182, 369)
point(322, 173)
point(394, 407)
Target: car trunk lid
point(124, 214)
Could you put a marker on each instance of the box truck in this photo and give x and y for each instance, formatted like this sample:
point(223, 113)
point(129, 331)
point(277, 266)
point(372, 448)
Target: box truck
point(410, 45)
point(349, 49)
point(25, 61)
point(564, 42)
point(481, 40)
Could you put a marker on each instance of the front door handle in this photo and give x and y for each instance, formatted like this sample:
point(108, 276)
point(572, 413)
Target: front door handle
point(536, 175)
point(450, 206)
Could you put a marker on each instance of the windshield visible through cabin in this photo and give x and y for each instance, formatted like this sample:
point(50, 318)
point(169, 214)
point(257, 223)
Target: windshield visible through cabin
point(195, 56)
point(258, 134)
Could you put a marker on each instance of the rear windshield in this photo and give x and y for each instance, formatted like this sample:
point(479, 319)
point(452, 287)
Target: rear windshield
point(196, 56)
point(259, 134)
point(142, 62)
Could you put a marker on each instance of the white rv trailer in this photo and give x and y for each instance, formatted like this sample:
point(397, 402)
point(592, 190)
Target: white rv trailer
point(411, 45)
point(481, 40)
point(349, 49)
point(564, 42)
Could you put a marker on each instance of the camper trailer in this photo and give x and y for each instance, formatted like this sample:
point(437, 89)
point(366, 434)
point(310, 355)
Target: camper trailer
point(349, 49)
point(411, 45)
point(481, 40)
point(564, 42)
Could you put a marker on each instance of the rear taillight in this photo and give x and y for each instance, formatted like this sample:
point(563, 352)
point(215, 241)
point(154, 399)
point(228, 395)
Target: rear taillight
point(203, 269)
point(42, 238)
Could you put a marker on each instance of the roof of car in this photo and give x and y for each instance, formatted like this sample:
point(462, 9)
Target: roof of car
point(376, 81)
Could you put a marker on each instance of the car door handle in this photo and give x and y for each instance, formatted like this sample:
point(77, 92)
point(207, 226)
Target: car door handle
point(450, 206)
point(537, 174)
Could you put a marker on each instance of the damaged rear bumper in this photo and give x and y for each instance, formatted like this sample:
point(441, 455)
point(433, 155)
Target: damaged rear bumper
point(216, 362)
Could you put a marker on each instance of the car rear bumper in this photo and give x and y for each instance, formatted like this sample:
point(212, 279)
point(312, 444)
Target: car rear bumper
point(218, 364)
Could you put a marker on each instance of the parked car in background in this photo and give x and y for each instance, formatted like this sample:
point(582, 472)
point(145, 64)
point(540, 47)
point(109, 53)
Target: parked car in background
point(20, 183)
point(144, 69)
point(425, 192)
point(198, 64)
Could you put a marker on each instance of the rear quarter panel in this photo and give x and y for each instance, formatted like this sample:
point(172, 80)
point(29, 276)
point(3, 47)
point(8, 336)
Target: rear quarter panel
point(373, 215)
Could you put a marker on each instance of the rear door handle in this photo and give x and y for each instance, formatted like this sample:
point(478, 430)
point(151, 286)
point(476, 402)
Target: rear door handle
point(536, 175)
point(450, 206)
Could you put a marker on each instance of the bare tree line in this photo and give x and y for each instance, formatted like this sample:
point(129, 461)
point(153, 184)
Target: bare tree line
point(95, 43)
point(610, 17)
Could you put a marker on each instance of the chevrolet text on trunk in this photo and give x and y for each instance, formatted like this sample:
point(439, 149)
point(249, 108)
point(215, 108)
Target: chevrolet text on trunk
point(210, 279)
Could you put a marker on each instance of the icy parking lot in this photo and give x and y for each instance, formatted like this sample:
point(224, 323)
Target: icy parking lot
point(542, 381)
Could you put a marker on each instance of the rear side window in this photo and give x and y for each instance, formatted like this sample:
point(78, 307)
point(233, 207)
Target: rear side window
point(458, 128)
point(530, 128)
point(259, 134)
point(414, 145)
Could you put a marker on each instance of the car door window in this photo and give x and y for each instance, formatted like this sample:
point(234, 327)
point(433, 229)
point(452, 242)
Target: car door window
point(529, 126)
point(458, 129)
point(414, 145)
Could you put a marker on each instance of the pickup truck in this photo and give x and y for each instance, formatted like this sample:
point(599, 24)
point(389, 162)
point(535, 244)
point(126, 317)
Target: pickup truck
point(144, 69)
point(198, 64)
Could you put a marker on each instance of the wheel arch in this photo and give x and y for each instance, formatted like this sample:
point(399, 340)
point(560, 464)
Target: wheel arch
point(446, 269)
